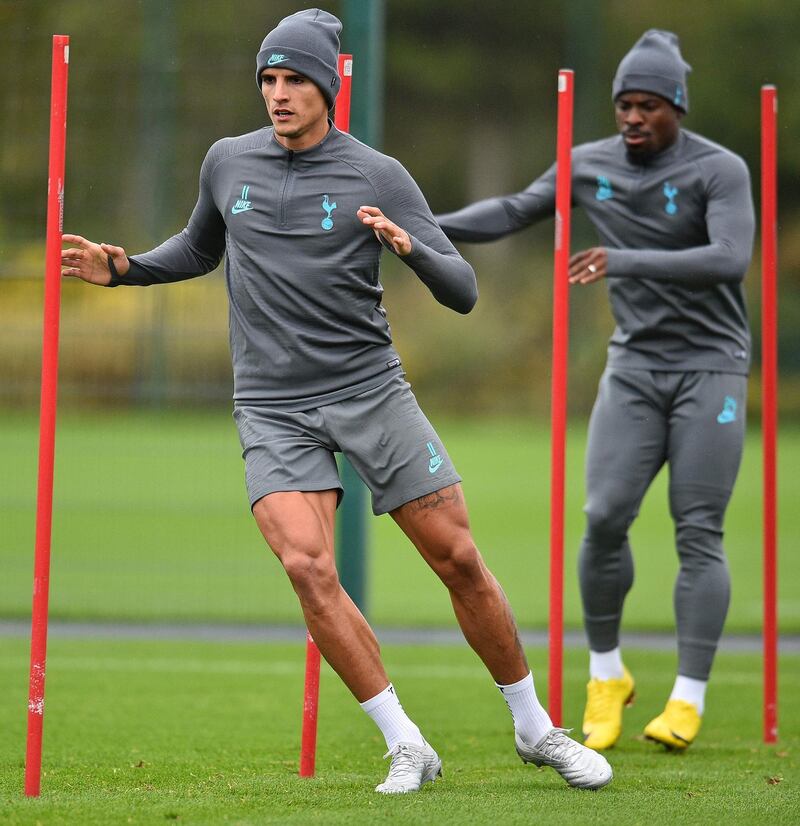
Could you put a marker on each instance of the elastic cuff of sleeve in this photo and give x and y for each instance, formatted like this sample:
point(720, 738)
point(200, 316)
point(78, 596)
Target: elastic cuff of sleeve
point(417, 250)
point(115, 278)
point(612, 264)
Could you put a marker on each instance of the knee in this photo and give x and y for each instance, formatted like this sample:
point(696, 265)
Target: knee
point(698, 513)
point(315, 581)
point(699, 548)
point(611, 506)
point(302, 566)
point(607, 520)
point(698, 507)
point(310, 570)
point(460, 565)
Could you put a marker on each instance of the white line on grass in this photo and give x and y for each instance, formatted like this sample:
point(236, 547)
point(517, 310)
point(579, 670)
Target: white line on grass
point(285, 668)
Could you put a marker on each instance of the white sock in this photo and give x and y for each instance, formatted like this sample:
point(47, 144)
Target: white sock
point(531, 721)
point(389, 717)
point(606, 665)
point(690, 690)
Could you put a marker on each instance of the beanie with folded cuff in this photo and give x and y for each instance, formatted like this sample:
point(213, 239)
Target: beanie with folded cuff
point(654, 64)
point(307, 43)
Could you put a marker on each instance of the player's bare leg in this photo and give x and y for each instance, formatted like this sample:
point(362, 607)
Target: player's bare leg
point(299, 527)
point(438, 526)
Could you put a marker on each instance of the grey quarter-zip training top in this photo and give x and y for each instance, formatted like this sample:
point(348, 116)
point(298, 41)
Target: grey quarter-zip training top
point(678, 227)
point(307, 326)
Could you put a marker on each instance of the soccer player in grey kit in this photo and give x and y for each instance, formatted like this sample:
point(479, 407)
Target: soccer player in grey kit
point(302, 213)
point(675, 218)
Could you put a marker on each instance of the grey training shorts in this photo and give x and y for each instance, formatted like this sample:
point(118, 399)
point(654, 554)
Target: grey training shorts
point(383, 432)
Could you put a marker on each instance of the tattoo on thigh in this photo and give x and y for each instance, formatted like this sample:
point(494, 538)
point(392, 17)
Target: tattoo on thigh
point(437, 499)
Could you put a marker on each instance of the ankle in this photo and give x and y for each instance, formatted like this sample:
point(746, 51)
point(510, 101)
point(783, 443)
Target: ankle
point(606, 665)
point(531, 721)
point(390, 717)
point(690, 691)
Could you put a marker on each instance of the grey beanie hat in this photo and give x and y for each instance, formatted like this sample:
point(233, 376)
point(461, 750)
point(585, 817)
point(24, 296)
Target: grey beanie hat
point(308, 43)
point(654, 64)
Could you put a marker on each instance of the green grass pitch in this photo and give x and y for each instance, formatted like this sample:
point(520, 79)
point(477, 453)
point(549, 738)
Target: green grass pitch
point(151, 522)
point(208, 733)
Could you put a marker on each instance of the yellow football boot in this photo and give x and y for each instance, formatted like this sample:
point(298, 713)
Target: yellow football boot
point(676, 727)
point(602, 720)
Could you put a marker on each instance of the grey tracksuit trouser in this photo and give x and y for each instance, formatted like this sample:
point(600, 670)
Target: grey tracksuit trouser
point(693, 422)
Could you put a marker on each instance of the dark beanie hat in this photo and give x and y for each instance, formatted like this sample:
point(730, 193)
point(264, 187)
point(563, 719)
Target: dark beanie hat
point(654, 64)
point(307, 43)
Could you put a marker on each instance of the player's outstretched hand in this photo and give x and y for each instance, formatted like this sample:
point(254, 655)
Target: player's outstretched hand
point(385, 230)
point(89, 261)
point(588, 266)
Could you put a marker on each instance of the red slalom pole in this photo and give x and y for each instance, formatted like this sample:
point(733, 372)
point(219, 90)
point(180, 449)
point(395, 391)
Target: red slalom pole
point(769, 402)
point(47, 413)
point(341, 115)
point(308, 739)
point(558, 421)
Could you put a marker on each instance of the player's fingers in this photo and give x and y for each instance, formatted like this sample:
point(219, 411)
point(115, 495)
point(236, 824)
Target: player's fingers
point(589, 266)
point(390, 229)
point(578, 257)
point(111, 250)
point(385, 237)
point(74, 239)
point(577, 270)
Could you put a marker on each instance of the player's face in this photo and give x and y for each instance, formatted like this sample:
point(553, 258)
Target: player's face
point(296, 107)
point(648, 123)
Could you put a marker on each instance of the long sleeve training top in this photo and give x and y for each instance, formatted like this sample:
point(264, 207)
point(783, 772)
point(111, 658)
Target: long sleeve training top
point(678, 228)
point(307, 326)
